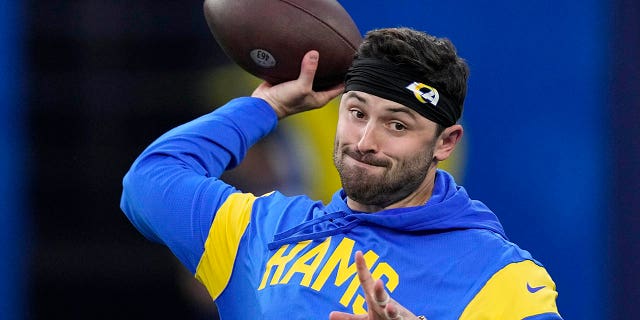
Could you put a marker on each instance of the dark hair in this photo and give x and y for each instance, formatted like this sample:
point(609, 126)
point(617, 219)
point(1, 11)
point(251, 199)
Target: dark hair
point(435, 58)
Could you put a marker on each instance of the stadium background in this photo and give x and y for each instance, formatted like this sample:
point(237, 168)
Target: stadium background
point(551, 142)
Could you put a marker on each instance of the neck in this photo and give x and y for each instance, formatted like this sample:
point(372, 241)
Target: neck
point(418, 197)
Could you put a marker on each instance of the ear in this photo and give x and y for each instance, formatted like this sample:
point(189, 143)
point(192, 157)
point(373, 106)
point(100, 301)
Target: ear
point(447, 142)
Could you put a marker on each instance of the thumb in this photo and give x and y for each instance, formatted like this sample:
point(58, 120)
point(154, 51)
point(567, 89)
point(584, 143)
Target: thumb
point(309, 67)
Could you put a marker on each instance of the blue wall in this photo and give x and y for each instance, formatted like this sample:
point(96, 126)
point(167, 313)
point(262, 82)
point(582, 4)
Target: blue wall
point(625, 132)
point(536, 126)
point(12, 216)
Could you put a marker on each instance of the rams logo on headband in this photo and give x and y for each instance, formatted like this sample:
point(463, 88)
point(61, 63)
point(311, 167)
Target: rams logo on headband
point(424, 93)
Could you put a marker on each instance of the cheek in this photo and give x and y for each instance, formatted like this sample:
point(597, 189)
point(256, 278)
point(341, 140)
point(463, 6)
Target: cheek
point(406, 149)
point(344, 133)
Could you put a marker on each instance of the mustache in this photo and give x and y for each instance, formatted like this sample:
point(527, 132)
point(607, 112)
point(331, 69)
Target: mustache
point(367, 158)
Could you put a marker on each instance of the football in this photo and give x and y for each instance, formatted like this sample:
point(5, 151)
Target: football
point(268, 38)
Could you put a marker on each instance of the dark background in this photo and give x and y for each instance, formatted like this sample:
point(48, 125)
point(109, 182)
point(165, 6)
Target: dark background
point(106, 77)
point(103, 78)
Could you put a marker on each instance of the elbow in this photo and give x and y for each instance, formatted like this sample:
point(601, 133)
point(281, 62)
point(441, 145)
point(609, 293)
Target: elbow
point(127, 198)
point(132, 204)
point(129, 189)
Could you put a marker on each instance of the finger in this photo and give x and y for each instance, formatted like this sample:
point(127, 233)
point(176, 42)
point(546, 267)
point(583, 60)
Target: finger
point(323, 97)
point(308, 68)
point(364, 275)
point(368, 285)
point(380, 294)
point(337, 315)
point(332, 92)
point(392, 312)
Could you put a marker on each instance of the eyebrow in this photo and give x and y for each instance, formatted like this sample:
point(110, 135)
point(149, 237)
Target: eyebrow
point(403, 110)
point(362, 99)
point(352, 94)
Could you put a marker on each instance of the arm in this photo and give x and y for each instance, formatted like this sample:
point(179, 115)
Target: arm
point(172, 191)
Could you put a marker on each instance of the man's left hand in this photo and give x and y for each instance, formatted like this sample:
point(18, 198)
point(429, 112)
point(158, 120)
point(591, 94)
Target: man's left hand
point(380, 305)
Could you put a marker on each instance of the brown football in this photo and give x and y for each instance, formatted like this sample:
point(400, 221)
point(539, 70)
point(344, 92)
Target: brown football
point(268, 38)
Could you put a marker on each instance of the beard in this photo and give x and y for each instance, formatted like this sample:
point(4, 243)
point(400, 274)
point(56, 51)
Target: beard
point(381, 189)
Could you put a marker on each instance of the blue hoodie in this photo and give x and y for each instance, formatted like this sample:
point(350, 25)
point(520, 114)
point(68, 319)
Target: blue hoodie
point(275, 256)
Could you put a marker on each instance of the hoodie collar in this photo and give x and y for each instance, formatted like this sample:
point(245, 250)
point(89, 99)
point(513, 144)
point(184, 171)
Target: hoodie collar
point(449, 208)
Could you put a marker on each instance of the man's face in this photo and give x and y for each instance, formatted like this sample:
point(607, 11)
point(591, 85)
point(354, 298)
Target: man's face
point(383, 150)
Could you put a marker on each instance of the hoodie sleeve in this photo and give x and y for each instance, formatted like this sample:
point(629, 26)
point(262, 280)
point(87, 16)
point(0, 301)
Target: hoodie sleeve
point(520, 290)
point(172, 192)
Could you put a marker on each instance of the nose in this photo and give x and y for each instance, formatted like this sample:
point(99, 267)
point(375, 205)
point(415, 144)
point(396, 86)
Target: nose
point(368, 142)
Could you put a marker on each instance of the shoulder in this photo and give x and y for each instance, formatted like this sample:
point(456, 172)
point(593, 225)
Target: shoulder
point(519, 290)
point(260, 217)
point(516, 287)
point(246, 208)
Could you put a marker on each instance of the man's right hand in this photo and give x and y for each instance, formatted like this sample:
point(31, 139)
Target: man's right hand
point(296, 96)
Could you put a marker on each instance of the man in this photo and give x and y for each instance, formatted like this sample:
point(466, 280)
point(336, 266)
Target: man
point(400, 239)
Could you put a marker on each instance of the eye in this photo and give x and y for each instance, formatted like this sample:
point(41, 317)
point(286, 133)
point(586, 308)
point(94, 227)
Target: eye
point(398, 126)
point(357, 113)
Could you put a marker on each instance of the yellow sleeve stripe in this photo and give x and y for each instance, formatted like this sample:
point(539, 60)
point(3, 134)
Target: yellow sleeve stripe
point(220, 249)
point(517, 291)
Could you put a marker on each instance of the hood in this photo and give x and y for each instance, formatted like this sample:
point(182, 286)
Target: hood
point(449, 208)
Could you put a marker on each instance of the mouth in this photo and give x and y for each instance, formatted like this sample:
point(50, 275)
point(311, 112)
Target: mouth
point(366, 159)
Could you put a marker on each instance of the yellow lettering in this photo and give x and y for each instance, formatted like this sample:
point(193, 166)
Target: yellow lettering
point(338, 263)
point(315, 255)
point(280, 260)
point(358, 305)
point(384, 269)
point(340, 256)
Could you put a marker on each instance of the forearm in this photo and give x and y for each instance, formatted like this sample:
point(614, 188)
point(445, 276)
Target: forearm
point(217, 141)
point(162, 191)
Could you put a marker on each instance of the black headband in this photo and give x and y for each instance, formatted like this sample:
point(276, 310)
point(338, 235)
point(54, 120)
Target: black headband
point(403, 85)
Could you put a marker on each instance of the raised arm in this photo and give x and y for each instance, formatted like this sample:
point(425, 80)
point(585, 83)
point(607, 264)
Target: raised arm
point(172, 191)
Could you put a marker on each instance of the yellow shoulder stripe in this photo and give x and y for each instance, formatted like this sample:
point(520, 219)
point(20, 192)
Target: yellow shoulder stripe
point(220, 249)
point(517, 291)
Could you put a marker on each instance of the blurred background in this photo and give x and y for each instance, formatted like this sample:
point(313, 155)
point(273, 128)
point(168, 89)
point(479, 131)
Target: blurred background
point(551, 143)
